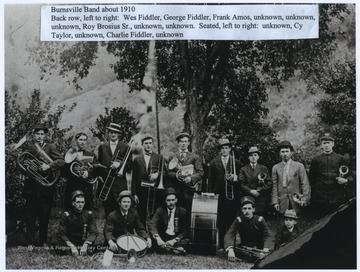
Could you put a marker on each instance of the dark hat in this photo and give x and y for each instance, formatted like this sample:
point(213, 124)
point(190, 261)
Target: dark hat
point(327, 137)
point(114, 127)
point(224, 141)
point(145, 137)
point(182, 135)
point(254, 149)
point(169, 191)
point(38, 127)
point(290, 214)
point(124, 194)
point(285, 144)
point(247, 199)
point(76, 193)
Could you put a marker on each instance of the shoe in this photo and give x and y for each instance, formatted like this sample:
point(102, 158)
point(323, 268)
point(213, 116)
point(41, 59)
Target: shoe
point(179, 251)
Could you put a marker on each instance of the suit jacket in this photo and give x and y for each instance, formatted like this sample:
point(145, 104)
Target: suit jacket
point(248, 178)
point(159, 222)
point(106, 158)
point(116, 225)
point(297, 183)
point(179, 186)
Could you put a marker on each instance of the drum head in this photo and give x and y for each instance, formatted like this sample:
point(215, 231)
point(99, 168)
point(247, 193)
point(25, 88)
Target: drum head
point(127, 242)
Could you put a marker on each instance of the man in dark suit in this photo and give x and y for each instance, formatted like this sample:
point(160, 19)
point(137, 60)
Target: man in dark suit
point(255, 181)
point(169, 225)
point(123, 221)
point(111, 155)
point(185, 184)
point(223, 176)
point(290, 182)
point(80, 154)
point(39, 199)
point(146, 174)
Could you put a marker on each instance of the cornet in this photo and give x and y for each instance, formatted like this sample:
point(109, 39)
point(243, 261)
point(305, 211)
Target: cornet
point(299, 199)
point(261, 177)
point(343, 170)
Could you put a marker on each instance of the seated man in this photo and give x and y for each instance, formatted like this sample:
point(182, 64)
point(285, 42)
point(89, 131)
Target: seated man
point(289, 231)
point(123, 221)
point(253, 230)
point(77, 229)
point(169, 226)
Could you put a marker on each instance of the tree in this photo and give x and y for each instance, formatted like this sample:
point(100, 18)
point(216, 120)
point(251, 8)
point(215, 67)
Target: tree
point(202, 72)
point(18, 122)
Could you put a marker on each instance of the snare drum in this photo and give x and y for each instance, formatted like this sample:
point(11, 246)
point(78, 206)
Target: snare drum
point(131, 241)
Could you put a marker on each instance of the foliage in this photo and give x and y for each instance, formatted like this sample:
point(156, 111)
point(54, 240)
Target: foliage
point(18, 122)
point(120, 116)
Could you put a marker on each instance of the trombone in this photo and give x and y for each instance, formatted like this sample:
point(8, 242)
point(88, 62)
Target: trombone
point(229, 188)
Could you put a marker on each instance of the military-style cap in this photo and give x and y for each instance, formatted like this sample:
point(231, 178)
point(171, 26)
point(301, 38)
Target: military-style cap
point(327, 137)
point(254, 149)
point(224, 141)
point(38, 127)
point(169, 191)
point(76, 194)
point(114, 127)
point(246, 200)
point(182, 135)
point(285, 144)
point(145, 137)
point(290, 214)
point(124, 194)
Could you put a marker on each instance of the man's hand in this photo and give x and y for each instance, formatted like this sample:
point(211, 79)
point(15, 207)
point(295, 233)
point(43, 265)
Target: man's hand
point(187, 180)
point(44, 167)
point(83, 249)
point(73, 249)
point(160, 242)
point(231, 255)
point(112, 246)
point(171, 242)
point(85, 174)
point(136, 198)
point(148, 243)
point(254, 193)
point(341, 180)
point(153, 176)
point(115, 165)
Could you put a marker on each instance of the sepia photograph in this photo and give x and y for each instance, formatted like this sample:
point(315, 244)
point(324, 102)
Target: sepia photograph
point(152, 135)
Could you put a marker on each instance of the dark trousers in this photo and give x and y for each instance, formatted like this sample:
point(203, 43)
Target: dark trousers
point(38, 208)
point(227, 210)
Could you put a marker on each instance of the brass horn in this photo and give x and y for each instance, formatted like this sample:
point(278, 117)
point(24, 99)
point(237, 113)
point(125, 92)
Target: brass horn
point(261, 177)
point(343, 170)
point(71, 155)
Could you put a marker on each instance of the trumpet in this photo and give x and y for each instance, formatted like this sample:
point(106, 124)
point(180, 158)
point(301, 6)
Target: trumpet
point(31, 164)
point(183, 171)
point(343, 170)
point(261, 178)
point(109, 181)
point(229, 188)
point(299, 199)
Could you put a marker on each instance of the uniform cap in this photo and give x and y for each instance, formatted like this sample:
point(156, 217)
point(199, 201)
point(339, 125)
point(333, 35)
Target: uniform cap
point(247, 199)
point(124, 194)
point(182, 135)
point(114, 127)
point(290, 214)
point(76, 193)
point(327, 137)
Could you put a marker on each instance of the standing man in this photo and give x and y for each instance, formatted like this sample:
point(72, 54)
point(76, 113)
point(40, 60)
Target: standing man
point(81, 181)
point(111, 155)
point(122, 221)
point(328, 184)
point(77, 229)
point(255, 181)
point(39, 198)
point(146, 174)
point(169, 226)
point(222, 174)
point(290, 182)
point(185, 184)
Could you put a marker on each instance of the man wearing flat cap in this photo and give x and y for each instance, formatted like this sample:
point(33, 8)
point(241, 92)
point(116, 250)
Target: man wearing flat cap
point(145, 179)
point(291, 188)
point(122, 221)
point(329, 177)
point(112, 154)
point(169, 225)
point(223, 173)
point(77, 229)
point(187, 173)
point(253, 230)
point(40, 198)
point(255, 181)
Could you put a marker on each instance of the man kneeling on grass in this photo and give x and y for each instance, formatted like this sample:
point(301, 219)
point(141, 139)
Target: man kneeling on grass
point(77, 229)
point(169, 226)
point(253, 231)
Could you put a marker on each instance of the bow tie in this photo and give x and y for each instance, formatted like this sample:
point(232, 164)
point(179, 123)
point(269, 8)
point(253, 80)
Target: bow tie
point(148, 154)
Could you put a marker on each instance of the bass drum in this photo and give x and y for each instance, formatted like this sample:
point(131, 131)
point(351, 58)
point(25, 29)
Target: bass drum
point(203, 229)
point(130, 241)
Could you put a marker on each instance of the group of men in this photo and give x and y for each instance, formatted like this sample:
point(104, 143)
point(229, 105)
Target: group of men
point(245, 194)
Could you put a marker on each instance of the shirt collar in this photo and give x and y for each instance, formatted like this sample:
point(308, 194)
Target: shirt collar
point(114, 143)
point(288, 162)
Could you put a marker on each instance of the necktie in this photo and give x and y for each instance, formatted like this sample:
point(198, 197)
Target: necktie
point(253, 166)
point(285, 174)
point(224, 162)
point(169, 215)
point(182, 155)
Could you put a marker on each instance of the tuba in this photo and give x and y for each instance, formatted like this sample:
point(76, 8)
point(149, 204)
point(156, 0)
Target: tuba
point(261, 178)
point(31, 164)
point(182, 171)
point(109, 181)
point(229, 188)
